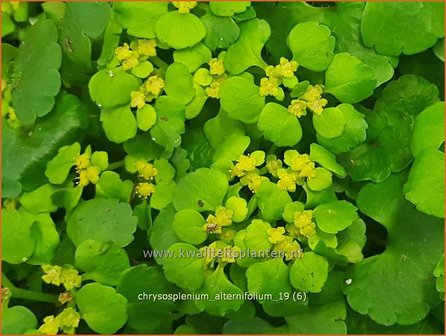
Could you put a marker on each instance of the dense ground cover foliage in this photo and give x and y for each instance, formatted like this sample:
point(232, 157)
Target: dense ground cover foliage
point(278, 167)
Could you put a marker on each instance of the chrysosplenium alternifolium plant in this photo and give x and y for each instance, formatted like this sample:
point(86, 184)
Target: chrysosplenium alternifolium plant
point(222, 167)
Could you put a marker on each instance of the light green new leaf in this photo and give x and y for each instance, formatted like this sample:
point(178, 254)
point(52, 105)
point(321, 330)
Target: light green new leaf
point(37, 80)
point(146, 117)
point(279, 126)
point(409, 232)
point(102, 262)
point(202, 190)
point(246, 51)
point(139, 18)
point(188, 225)
point(408, 28)
point(335, 216)
point(425, 185)
point(110, 88)
point(179, 84)
point(330, 124)
point(326, 159)
point(228, 8)
point(321, 180)
point(349, 79)
point(58, 168)
point(180, 30)
point(428, 129)
point(119, 124)
point(110, 185)
point(103, 220)
point(18, 242)
point(39, 200)
point(241, 100)
point(271, 200)
point(309, 273)
point(312, 45)
point(104, 310)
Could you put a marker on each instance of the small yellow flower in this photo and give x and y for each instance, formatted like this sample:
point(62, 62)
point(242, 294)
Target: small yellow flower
point(276, 234)
point(138, 99)
point(50, 326)
point(122, 53)
point(65, 297)
point(253, 180)
point(154, 85)
point(68, 318)
point(298, 161)
point(230, 254)
point(287, 68)
point(312, 93)
point(273, 165)
point(92, 174)
point(227, 235)
point(146, 170)
point(291, 248)
point(269, 87)
point(52, 274)
point(287, 180)
point(216, 67)
point(82, 161)
point(213, 90)
point(223, 216)
point(145, 189)
point(131, 61)
point(184, 6)
point(147, 47)
point(303, 221)
point(245, 164)
point(298, 108)
point(211, 225)
point(317, 106)
point(70, 278)
point(308, 170)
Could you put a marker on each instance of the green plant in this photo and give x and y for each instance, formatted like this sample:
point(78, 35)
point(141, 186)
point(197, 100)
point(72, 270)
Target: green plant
point(222, 167)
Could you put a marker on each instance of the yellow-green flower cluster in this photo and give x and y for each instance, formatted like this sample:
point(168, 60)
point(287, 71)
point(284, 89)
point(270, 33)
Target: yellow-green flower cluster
point(150, 90)
point(58, 275)
point(87, 172)
point(299, 167)
point(184, 7)
point(66, 322)
point(311, 100)
point(131, 55)
point(270, 85)
point(303, 224)
point(221, 251)
point(147, 172)
point(283, 243)
point(246, 169)
point(221, 218)
point(212, 78)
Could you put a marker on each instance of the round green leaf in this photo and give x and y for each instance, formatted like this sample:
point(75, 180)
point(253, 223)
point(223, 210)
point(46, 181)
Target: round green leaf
point(143, 69)
point(102, 262)
point(321, 181)
point(103, 220)
point(408, 28)
point(58, 168)
point(39, 200)
point(326, 159)
point(184, 267)
point(330, 124)
point(179, 83)
point(119, 124)
point(110, 88)
point(221, 32)
point(349, 79)
point(180, 30)
point(110, 185)
point(202, 190)
point(271, 200)
point(241, 100)
point(309, 273)
point(425, 185)
point(188, 225)
point(228, 8)
point(146, 117)
point(239, 207)
point(335, 216)
point(193, 57)
point(104, 310)
point(17, 320)
point(18, 242)
point(312, 45)
point(279, 126)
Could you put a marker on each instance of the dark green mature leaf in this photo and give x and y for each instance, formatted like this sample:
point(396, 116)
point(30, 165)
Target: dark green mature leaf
point(17, 320)
point(407, 28)
point(38, 145)
point(221, 32)
point(18, 242)
point(104, 220)
point(37, 80)
point(409, 232)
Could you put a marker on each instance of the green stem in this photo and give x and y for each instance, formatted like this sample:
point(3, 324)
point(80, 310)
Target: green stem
point(19, 293)
point(159, 63)
point(116, 165)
